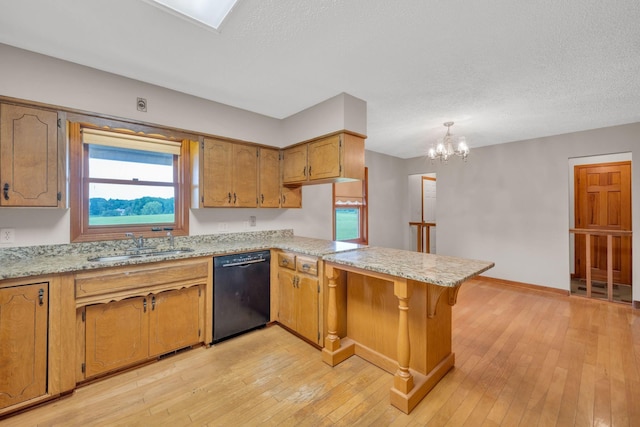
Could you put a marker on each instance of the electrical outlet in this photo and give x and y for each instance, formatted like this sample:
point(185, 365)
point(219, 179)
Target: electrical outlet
point(252, 221)
point(7, 235)
point(223, 226)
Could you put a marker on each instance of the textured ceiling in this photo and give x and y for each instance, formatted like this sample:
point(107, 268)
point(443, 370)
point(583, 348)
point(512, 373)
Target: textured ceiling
point(503, 70)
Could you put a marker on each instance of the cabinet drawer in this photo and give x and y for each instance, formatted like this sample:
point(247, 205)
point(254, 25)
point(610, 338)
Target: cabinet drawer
point(287, 261)
point(307, 265)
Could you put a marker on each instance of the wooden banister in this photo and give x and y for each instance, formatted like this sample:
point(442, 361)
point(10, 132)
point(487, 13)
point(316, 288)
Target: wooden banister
point(588, 232)
point(423, 238)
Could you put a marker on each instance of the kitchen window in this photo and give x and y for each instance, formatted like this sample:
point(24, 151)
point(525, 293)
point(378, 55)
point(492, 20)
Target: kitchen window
point(350, 215)
point(126, 183)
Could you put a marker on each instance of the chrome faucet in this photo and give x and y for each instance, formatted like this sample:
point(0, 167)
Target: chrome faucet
point(170, 234)
point(138, 241)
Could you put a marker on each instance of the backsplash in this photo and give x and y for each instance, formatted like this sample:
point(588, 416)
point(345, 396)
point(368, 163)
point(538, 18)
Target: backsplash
point(18, 253)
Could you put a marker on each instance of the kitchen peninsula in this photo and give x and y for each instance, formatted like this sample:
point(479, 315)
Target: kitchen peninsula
point(357, 289)
point(393, 308)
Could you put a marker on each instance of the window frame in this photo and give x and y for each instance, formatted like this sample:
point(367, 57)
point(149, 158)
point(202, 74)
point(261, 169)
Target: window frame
point(79, 189)
point(363, 209)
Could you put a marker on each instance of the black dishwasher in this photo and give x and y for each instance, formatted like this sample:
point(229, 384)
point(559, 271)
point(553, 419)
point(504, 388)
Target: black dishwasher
point(241, 293)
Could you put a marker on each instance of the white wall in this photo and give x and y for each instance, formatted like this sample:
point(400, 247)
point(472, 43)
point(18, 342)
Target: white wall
point(509, 203)
point(387, 201)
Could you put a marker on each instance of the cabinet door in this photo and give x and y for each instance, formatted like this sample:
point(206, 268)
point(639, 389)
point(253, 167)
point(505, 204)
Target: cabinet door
point(294, 164)
point(245, 176)
point(217, 178)
point(28, 156)
point(117, 335)
point(287, 310)
point(23, 338)
point(324, 158)
point(269, 178)
point(307, 307)
point(291, 197)
point(174, 320)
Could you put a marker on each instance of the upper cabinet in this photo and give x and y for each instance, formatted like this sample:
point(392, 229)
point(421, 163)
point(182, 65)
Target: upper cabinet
point(334, 158)
point(228, 174)
point(29, 155)
point(269, 177)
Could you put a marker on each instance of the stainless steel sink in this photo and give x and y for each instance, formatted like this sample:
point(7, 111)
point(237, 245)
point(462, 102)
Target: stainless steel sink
point(124, 257)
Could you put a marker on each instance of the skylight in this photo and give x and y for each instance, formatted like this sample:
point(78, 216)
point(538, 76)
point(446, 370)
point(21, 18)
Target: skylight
point(207, 12)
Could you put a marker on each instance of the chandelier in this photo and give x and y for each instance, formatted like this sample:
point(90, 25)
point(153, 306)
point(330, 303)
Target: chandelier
point(445, 147)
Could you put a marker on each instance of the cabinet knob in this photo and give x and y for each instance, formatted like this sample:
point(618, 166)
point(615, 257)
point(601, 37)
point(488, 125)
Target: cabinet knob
point(6, 190)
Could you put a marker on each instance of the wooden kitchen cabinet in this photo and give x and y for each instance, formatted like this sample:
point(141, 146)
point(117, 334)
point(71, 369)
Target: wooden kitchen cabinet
point(269, 178)
point(123, 333)
point(117, 335)
point(272, 193)
point(299, 291)
point(229, 174)
point(23, 334)
point(333, 158)
point(175, 320)
point(130, 314)
point(29, 153)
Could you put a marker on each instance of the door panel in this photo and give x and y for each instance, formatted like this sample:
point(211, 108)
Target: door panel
point(174, 319)
point(603, 202)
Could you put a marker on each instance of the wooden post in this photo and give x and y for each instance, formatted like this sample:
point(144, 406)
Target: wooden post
point(403, 380)
point(587, 243)
point(332, 340)
point(610, 267)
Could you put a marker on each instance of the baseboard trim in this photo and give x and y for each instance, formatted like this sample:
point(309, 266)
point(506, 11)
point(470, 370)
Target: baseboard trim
point(529, 286)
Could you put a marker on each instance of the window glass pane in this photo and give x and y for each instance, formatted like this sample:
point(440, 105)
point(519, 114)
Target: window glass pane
point(121, 204)
point(125, 164)
point(347, 223)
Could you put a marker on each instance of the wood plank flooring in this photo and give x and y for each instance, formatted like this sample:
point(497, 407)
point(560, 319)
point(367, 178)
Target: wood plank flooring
point(523, 357)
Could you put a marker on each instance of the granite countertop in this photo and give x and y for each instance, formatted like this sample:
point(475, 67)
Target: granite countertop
point(66, 258)
point(437, 269)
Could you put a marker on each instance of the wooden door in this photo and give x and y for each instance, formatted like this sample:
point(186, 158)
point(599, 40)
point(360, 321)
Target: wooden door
point(324, 158)
point(603, 202)
point(174, 320)
point(287, 309)
point(245, 176)
point(307, 307)
point(291, 197)
point(117, 335)
point(23, 343)
point(217, 177)
point(269, 178)
point(294, 164)
point(28, 156)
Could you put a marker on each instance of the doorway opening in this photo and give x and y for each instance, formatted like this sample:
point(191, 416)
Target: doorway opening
point(600, 227)
point(422, 212)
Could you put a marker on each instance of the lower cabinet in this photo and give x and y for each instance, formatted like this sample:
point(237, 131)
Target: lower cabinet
point(299, 290)
point(123, 333)
point(23, 343)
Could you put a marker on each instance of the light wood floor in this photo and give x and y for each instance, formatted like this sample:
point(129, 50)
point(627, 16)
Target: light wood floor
point(523, 357)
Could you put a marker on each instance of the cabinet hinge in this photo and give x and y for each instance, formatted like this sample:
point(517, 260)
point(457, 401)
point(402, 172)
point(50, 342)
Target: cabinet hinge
point(202, 199)
point(318, 287)
point(202, 145)
point(199, 291)
point(340, 142)
point(59, 196)
point(257, 153)
point(199, 332)
point(84, 368)
point(340, 170)
point(59, 123)
point(84, 316)
point(318, 336)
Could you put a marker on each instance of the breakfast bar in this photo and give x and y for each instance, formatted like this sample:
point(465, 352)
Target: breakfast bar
point(393, 308)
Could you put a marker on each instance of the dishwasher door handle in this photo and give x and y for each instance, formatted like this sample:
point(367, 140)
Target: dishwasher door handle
point(243, 263)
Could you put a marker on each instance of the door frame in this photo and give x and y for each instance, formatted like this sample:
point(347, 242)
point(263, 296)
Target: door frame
point(577, 161)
